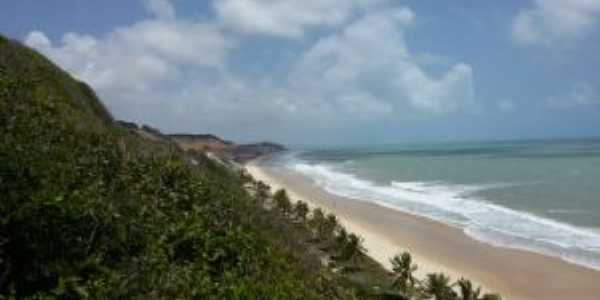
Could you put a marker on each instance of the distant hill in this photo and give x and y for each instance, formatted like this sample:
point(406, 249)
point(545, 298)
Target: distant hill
point(246, 152)
point(208, 143)
point(224, 148)
point(201, 142)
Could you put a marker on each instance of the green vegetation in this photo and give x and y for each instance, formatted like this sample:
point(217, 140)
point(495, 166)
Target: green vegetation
point(404, 269)
point(301, 211)
point(93, 210)
point(436, 286)
point(467, 292)
point(282, 201)
point(90, 210)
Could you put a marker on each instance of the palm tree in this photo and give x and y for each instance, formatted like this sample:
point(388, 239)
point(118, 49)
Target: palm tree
point(491, 297)
point(404, 268)
point(353, 250)
point(301, 210)
point(282, 201)
point(341, 238)
point(262, 191)
point(467, 292)
point(246, 177)
point(438, 286)
point(316, 221)
point(329, 226)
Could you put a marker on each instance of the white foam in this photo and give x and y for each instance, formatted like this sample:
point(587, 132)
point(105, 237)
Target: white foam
point(457, 205)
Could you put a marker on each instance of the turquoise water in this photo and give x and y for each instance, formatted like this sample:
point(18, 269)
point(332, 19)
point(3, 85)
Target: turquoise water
point(543, 196)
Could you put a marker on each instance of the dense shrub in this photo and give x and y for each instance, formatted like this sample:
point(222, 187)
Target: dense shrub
point(92, 210)
point(89, 210)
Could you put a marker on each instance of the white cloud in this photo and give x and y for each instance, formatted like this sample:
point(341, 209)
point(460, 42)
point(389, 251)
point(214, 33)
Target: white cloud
point(553, 21)
point(288, 18)
point(370, 57)
point(362, 105)
point(183, 42)
point(160, 8)
point(134, 58)
point(581, 94)
point(179, 74)
point(37, 39)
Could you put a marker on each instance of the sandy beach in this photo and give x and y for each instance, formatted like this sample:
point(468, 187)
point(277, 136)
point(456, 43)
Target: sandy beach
point(436, 247)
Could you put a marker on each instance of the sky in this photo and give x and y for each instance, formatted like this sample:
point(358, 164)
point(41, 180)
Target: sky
point(331, 72)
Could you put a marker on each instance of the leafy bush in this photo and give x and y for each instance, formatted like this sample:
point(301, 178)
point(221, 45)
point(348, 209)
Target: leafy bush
point(282, 201)
point(90, 210)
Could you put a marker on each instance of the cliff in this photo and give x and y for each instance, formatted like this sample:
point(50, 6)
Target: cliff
point(207, 143)
point(247, 152)
point(201, 142)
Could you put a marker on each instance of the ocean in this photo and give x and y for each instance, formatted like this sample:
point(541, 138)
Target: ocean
point(542, 196)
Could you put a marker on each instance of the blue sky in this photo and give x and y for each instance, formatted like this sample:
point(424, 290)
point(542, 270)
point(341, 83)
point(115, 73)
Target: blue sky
point(320, 72)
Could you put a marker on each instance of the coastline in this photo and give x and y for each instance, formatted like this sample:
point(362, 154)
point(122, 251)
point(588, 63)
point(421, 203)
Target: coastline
point(437, 247)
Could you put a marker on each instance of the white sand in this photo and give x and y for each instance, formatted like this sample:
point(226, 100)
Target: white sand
point(378, 247)
point(436, 247)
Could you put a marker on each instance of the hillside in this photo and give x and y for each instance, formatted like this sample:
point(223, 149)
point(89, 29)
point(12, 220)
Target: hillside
point(94, 208)
point(90, 210)
point(201, 142)
point(223, 148)
point(206, 143)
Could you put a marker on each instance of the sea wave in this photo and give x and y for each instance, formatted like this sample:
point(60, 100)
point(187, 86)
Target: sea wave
point(458, 205)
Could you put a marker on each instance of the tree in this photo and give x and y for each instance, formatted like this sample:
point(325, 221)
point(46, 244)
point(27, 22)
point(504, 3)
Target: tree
point(353, 250)
point(282, 201)
point(467, 292)
point(301, 211)
point(246, 177)
point(438, 286)
point(404, 268)
point(323, 226)
point(491, 297)
point(262, 191)
point(316, 221)
point(330, 224)
point(341, 238)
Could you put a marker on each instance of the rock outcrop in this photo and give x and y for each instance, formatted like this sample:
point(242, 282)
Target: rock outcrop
point(212, 145)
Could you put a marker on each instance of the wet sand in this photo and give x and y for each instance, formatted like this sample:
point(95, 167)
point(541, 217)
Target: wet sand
point(515, 274)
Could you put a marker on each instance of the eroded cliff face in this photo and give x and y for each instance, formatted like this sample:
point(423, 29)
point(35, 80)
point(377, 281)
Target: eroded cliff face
point(201, 142)
point(247, 152)
point(225, 149)
point(215, 146)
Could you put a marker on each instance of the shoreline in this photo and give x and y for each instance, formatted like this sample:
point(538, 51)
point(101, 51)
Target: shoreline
point(437, 247)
